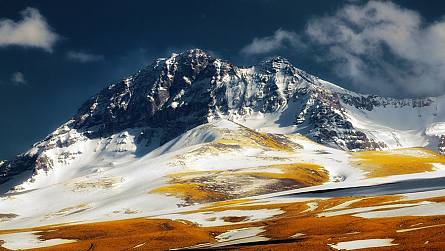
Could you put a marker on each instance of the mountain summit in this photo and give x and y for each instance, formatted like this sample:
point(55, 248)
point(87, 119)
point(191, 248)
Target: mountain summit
point(176, 94)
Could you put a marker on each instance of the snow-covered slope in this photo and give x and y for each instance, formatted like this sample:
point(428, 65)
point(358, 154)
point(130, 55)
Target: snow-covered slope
point(196, 119)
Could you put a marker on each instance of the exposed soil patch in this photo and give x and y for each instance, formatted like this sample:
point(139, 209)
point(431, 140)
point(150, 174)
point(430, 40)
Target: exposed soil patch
point(235, 219)
point(100, 183)
point(6, 217)
point(211, 186)
point(69, 210)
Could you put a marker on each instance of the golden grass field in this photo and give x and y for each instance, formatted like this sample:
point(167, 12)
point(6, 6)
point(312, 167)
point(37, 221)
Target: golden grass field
point(396, 162)
point(316, 233)
point(210, 186)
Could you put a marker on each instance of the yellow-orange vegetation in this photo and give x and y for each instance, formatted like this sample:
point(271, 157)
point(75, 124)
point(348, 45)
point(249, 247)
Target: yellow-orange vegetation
point(127, 234)
point(307, 174)
point(190, 192)
point(249, 137)
point(270, 141)
point(190, 186)
point(376, 200)
point(317, 232)
point(386, 163)
point(227, 203)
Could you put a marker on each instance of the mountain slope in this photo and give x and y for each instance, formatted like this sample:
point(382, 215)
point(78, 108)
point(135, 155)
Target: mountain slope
point(176, 94)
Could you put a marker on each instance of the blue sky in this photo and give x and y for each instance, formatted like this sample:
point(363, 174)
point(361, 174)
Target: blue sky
point(56, 54)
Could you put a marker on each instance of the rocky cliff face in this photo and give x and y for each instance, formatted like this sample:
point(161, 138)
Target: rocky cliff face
point(175, 94)
point(442, 144)
point(182, 92)
point(191, 88)
point(326, 122)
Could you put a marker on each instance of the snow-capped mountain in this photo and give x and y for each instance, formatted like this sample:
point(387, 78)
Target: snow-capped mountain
point(174, 95)
point(195, 152)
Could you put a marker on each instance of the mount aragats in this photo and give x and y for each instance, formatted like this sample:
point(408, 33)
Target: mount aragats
point(193, 152)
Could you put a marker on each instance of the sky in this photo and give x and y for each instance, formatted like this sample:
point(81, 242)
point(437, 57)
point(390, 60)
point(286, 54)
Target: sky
point(54, 55)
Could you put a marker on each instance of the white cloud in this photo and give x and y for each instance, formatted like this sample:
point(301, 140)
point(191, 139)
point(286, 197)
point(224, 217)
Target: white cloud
point(83, 57)
point(280, 39)
point(18, 78)
point(383, 47)
point(31, 31)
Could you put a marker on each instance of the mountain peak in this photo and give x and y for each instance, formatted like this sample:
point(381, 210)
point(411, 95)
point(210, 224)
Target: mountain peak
point(194, 53)
point(276, 63)
point(277, 60)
